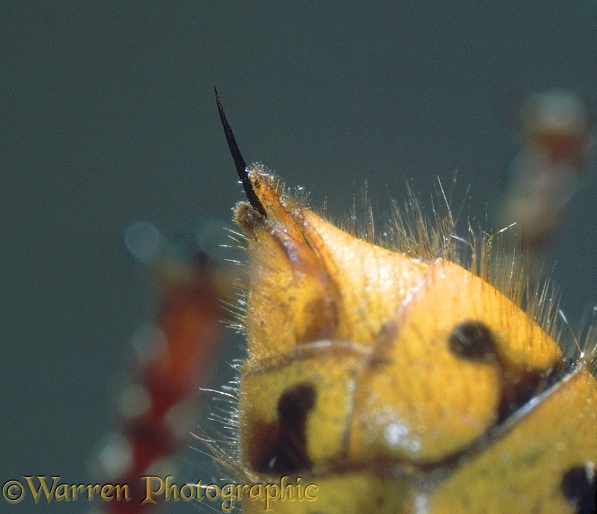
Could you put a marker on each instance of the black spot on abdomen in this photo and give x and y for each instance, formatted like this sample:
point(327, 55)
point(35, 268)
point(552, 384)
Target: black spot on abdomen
point(474, 341)
point(579, 487)
point(281, 446)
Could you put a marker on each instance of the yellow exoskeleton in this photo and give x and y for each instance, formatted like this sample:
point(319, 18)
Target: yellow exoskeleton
point(397, 380)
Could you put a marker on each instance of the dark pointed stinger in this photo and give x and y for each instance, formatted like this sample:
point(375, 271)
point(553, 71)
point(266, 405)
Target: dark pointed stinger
point(239, 162)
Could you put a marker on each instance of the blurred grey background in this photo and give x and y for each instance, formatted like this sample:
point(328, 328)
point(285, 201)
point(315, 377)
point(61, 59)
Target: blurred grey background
point(107, 116)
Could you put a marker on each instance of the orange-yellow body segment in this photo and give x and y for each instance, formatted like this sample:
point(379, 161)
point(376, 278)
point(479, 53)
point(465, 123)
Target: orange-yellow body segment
point(523, 470)
point(378, 376)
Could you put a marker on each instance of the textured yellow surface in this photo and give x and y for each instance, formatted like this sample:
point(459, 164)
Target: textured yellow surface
point(388, 417)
